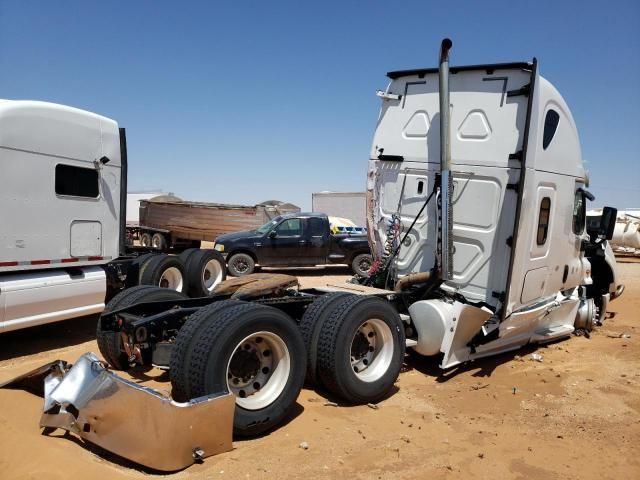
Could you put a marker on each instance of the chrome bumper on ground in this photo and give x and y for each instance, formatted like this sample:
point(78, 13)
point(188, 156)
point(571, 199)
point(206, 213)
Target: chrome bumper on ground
point(127, 419)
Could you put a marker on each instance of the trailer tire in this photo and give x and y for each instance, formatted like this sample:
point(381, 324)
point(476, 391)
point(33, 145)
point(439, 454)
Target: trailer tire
point(109, 342)
point(310, 326)
point(205, 269)
point(241, 264)
point(181, 355)
point(145, 239)
point(255, 352)
point(361, 264)
point(159, 242)
point(361, 349)
point(163, 271)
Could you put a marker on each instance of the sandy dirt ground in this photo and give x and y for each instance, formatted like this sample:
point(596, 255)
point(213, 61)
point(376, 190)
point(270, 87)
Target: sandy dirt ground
point(575, 415)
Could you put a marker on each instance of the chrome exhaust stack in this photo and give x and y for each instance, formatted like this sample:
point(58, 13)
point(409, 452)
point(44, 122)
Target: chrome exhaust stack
point(446, 180)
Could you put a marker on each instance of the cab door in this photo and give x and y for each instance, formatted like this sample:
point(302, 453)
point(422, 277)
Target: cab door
point(286, 244)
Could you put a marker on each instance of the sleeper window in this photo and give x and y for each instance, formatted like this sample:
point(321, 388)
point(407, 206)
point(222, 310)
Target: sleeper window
point(77, 181)
point(579, 213)
point(543, 221)
point(551, 120)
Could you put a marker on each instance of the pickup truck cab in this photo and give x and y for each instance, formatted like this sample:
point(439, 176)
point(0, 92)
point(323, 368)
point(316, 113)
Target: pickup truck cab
point(294, 240)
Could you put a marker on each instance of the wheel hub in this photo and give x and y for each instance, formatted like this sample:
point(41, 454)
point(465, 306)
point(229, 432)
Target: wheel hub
point(363, 347)
point(244, 365)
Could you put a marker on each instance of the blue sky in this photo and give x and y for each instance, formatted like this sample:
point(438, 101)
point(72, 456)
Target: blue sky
point(241, 102)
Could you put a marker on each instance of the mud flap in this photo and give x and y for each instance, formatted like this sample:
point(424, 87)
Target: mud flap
point(134, 422)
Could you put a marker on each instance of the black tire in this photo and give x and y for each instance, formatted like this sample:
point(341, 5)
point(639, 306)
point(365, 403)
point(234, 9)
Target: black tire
point(204, 270)
point(110, 342)
point(185, 254)
point(163, 271)
point(159, 242)
point(310, 326)
point(181, 355)
point(241, 264)
point(361, 264)
point(338, 339)
point(218, 341)
point(145, 239)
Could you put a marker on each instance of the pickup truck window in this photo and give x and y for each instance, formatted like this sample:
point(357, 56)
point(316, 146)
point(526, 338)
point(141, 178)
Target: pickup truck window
point(268, 226)
point(317, 227)
point(290, 228)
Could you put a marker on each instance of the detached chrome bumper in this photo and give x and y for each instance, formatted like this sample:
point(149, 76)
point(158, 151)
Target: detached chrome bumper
point(134, 422)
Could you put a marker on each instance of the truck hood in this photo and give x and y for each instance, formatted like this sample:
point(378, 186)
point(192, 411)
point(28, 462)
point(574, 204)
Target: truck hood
point(230, 237)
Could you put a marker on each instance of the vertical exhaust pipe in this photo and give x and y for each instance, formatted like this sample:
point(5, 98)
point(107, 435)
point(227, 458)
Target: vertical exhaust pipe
point(446, 181)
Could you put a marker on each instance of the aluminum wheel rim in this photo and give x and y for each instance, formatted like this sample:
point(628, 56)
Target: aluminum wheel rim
point(240, 265)
point(256, 388)
point(155, 242)
point(171, 278)
point(145, 241)
point(365, 265)
point(374, 335)
point(211, 275)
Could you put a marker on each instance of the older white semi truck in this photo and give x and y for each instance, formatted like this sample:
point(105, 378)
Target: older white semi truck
point(63, 253)
point(476, 212)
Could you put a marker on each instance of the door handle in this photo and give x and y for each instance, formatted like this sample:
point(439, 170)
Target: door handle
point(302, 242)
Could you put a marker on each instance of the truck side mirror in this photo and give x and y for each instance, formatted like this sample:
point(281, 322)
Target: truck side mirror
point(273, 234)
point(607, 222)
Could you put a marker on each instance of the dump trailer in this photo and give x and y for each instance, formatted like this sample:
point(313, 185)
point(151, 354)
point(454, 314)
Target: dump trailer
point(476, 201)
point(63, 249)
point(166, 224)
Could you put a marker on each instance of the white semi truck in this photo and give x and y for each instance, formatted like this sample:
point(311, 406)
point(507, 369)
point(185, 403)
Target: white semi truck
point(476, 212)
point(63, 253)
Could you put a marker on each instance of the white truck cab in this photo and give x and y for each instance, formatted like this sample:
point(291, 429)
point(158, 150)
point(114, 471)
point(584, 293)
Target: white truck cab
point(61, 210)
point(510, 268)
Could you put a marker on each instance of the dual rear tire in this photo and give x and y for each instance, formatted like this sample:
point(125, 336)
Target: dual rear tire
point(355, 346)
point(253, 351)
point(194, 272)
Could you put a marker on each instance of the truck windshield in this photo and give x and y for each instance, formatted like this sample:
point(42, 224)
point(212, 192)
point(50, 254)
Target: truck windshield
point(269, 225)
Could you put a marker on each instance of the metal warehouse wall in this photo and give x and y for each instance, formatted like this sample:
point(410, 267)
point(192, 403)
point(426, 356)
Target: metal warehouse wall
point(351, 205)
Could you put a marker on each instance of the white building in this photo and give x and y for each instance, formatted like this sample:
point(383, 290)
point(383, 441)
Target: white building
point(351, 205)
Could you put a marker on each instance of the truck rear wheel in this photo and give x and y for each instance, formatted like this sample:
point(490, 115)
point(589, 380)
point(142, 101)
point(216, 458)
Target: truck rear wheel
point(159, 242)
point(205, 269)
point(182, 351)
point(255, 352)
point(241, 264)
point(109, 342)
point(311, 324)
point(163, 271)
point(361, 264)
point(360, 349)
point(145, 239)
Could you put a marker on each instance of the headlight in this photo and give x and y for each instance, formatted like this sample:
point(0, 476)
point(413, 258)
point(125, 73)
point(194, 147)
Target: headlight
point(219, 247)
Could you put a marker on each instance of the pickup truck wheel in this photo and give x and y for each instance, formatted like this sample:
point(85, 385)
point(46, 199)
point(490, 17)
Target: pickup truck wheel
point(241, 264)
point(361, 264)
point(163, 271)
point(311, 324)
point(181, 354)
point(159, 242)
point(109, 342)
point(361, 349)
point(145, 240)
point(255, 352)
point(205, 270)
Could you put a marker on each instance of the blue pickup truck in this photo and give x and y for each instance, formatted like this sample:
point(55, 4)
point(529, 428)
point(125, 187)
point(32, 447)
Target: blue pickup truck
point(294, 240)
